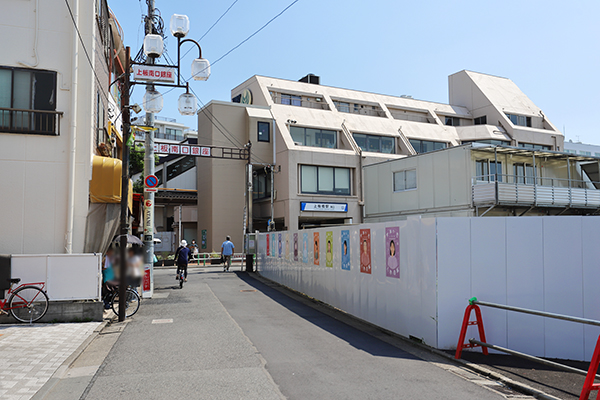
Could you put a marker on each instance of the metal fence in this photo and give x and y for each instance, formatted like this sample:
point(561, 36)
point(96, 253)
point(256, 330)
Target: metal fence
point(15, 120)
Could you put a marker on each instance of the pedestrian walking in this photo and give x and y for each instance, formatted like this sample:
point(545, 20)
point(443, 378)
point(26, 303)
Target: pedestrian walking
point(182, 256)
point(226, 253)
point(194, 249)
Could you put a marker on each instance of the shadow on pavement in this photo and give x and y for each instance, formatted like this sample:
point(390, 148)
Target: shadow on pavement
point(353, 336)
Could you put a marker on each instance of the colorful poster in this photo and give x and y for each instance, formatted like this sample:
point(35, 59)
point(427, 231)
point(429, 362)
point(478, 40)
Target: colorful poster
point(279, 246)
point(346, 250)
point(295, 247)
point(287, 246)
point(268, 253)
point(305, 248)
point(273, 246)
point(316, 252)
point(365, 251)
point(392, 256)
point(329, 249)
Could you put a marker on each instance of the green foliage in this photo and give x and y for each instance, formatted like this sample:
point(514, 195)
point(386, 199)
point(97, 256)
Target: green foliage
point(136, 164)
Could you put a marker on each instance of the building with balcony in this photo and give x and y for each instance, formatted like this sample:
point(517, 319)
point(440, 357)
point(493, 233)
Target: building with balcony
point(582, 149)
point(319, 138)
point(482, 180)
point(59, 126)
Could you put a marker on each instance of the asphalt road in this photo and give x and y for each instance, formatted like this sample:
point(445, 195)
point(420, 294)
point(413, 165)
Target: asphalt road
point(234, 337)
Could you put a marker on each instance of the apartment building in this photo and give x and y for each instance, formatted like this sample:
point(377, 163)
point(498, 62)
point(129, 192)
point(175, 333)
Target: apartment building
point(582, 149)
point(59, 126)
point(319, 138)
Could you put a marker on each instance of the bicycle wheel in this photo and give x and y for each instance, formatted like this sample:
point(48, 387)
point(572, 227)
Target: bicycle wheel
point(132, 302)
point(28, 304)
point(181, 281)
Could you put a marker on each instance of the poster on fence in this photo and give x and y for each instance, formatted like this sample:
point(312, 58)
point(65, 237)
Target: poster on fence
point(305, 248)
point(392, 256)
point(268, 254)
point(273, 245)
point(365, 251)
point(346, 250)
point(279, 246)
point(295, 247)
point(287, 246)
point(316, 252)
point(329, 249)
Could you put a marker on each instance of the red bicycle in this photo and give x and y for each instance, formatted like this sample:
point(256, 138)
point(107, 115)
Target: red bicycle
point(27, 303)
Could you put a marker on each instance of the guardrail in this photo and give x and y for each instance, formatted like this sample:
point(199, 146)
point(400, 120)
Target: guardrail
point(474, 304)
point(203, 257)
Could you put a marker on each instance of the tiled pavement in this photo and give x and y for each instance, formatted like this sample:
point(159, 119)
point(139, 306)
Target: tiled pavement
point(30, 354)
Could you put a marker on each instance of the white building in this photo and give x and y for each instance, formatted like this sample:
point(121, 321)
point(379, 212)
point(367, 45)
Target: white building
point(54, 118)
point(582, 148)
point(320, 137)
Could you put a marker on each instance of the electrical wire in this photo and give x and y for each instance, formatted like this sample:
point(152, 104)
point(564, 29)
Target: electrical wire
point(86, 53)
point(213, 25)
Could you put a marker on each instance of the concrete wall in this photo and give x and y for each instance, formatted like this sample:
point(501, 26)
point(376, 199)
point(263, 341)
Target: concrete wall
point(35, 167)
point(541, 263)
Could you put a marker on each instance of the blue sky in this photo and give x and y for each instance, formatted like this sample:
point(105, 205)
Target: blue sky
point(550, 49)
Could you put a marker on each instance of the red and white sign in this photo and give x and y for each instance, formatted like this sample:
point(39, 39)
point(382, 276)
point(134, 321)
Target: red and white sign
point(150, 190)
point(153, 73)
point(178, 149)
point(205, 151)
point(148, 203)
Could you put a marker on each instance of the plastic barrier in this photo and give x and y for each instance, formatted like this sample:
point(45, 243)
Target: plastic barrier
point(590, 374)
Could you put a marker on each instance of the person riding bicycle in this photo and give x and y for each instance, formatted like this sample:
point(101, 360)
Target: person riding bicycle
point(182, 256)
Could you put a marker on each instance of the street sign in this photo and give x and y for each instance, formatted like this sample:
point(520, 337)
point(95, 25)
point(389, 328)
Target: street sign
point(153, 73)
point(151, 181)
point(179, 149)
point(148, 203)
point(150, 190)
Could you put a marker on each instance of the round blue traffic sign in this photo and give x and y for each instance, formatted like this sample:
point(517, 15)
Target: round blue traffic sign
point(151, 181)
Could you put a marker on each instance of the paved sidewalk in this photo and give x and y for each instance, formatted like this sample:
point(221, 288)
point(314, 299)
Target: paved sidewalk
point(30, 354)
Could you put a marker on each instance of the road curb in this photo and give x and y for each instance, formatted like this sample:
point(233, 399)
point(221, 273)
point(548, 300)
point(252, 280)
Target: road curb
point(515, 385)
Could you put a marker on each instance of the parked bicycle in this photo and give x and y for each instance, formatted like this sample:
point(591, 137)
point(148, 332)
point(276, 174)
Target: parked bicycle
point(27, 302)
point(132, 300)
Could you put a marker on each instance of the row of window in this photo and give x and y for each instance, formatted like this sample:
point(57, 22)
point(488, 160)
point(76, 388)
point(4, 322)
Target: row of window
point(520, 120)
point(525, 173)
point(582, 152)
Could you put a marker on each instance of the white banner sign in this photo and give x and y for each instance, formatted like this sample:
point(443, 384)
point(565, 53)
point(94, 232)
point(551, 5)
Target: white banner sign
point(153, 73)
point(327, 207)
point(180, 149)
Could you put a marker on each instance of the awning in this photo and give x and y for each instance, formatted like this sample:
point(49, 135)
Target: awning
point(105, 186)
point(259, 112)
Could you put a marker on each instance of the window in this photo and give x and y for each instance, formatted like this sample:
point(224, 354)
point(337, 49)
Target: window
point(342, 107)
point(379, 144)
point(179, 167)
point(524, 173)
point(28, 101)
point(485, 170)
point(520, 120)
point(596, 154)
point(575, 152)
point(325, 180)
point(480, 120)
point(405, 180)
point(261, 185)
point(585, 153)
point(263, 131)
point(535, 146)
point(291, 100)
point(424, 146)
point(313, 137)
point(453, 121)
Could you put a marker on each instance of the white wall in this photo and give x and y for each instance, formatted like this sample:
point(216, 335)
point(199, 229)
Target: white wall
point(542, 263)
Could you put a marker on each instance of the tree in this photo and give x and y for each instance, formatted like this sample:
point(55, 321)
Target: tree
point(136, 165)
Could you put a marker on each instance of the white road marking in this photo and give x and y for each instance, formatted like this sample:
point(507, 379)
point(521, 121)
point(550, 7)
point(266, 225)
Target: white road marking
point(162, 321)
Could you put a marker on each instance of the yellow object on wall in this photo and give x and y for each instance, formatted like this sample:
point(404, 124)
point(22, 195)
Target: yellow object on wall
point(105, 186)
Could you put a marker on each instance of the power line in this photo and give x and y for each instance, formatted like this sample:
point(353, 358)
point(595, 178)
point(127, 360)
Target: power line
point(86, 52)
point(213, 25)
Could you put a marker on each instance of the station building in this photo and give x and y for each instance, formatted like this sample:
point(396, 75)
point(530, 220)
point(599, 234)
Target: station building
point(313, 141)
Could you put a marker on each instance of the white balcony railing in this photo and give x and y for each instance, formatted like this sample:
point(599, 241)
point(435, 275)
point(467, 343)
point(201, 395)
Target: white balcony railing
point(529, 191)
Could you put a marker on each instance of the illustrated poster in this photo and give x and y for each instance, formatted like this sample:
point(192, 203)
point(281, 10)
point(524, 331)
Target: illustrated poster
point(287, 246)
point(279, 246)
point(392, 256)
point(316, 252)
point(305, 248)
point(295, 247)
point(346, 250)
point(273, 245)
point(268, 253)
point(329, 249)
point(365, 251)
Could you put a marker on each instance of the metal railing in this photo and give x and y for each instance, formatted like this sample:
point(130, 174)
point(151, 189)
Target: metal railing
point(299, 102)
point(360, 110)
point(204, 257)
point(17, 120)
point(474, 304)
point(534, 191)
point(411, 117)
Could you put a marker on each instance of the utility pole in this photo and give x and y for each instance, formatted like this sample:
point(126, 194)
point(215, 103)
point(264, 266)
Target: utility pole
point(249, 257)
point(149, 169)
point(124, 188)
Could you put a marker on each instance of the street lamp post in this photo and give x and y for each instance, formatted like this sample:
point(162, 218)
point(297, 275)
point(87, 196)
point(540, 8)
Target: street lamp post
point(200, 69)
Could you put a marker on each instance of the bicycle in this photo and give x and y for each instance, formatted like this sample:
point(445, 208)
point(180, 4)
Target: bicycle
point(132, 301)
point(27, 303)
point(180, 277)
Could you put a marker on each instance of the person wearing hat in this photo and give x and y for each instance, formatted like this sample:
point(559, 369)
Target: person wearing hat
point(182, 256)
point(226, 252)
